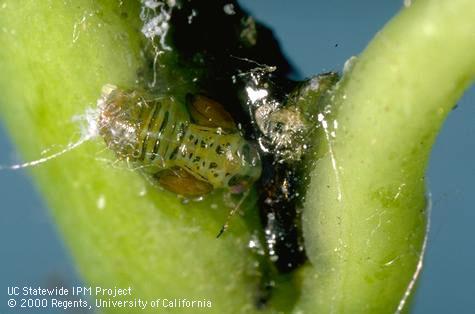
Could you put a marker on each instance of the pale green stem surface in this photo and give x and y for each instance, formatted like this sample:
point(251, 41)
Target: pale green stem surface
point(56, 55)
point(365, 216)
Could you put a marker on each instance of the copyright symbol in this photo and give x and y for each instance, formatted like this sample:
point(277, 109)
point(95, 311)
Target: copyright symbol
point(11, 303)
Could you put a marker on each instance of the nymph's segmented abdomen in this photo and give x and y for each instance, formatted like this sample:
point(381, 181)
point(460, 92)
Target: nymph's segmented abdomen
point(164, 128)
point(170, 140)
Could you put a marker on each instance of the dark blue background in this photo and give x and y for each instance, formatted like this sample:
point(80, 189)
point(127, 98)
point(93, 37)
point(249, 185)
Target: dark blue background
point(317, 36)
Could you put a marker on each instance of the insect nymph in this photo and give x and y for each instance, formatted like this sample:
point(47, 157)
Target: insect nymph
point(188, 150)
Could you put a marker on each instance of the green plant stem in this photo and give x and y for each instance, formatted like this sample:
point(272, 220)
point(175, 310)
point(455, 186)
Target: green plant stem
point(123, 232)
point(365, 216)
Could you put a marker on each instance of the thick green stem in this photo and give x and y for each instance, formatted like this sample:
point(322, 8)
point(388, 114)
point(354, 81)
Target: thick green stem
point(365, 215)
point(55, 57)
point(364, 221)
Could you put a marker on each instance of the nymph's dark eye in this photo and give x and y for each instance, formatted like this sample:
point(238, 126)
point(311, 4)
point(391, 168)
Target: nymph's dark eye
point(247, 153)
point(234, 180)
point(238, 179)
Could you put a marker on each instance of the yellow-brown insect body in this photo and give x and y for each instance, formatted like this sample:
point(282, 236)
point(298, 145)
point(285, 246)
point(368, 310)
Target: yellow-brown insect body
point(157, 135)
point(217, 157)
